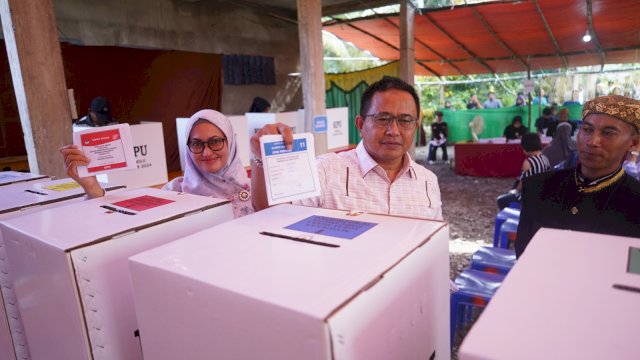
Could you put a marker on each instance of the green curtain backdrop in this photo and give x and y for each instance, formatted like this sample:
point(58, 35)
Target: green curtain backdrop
point(495, 120)
point(337, 97)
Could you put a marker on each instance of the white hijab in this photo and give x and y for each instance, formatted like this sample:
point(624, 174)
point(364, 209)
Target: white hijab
point(231, 182)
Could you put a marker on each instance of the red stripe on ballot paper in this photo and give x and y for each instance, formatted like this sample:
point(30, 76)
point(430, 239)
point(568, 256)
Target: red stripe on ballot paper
point(107, 167)
point(100, 137)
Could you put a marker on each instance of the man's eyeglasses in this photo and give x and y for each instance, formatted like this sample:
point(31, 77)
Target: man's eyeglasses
point(197, 146)
point(383, 120)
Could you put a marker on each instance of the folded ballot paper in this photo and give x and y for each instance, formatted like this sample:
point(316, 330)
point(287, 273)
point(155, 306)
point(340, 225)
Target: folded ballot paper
point(109, 149)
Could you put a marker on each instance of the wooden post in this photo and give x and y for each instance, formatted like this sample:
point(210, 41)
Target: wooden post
point(312, 67)
point(407, 50)
point(31, 38)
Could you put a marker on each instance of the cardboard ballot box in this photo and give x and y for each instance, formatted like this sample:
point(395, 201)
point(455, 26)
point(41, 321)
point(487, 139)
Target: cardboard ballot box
point(294, 282)
point(20, 199)
point(69, 267)
point(572, 295)
point(10, 178)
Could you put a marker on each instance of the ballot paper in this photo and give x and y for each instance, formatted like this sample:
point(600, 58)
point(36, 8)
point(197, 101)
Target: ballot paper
point(109, 149)
point(289, 174)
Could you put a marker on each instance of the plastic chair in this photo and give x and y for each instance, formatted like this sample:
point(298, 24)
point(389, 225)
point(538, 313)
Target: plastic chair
point(476, 288)
point(508, 232)
point(493, 260)
point(501, 217)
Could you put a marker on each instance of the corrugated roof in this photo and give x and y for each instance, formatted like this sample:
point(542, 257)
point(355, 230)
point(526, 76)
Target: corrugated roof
point(506, 37)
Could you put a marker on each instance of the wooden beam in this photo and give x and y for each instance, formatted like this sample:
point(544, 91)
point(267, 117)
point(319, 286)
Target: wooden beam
point(594, 38)
point(474, 57)
point(33, 50)
point(426, 46)
point(498, 39)
point(535, 56)
point(407, 51)
point(312, 67)
point(550, 33)
point(355, 5)
point(389, 45)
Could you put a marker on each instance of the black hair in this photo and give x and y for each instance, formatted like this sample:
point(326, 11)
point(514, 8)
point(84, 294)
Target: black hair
point(516, 118)
point(384, 84)
point(546, 111)
point(531, 142)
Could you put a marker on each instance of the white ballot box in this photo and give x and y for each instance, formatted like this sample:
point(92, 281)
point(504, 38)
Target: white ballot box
point(17, 200)
point(10, 178)
point(572, 295)
point(69, 267)
point(293, 282)
point(151, 162)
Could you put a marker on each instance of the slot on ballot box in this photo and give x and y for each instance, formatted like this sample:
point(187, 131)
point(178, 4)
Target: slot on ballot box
point(294, 282)
point(69, 267)
point(11, 178)
point(20, 199)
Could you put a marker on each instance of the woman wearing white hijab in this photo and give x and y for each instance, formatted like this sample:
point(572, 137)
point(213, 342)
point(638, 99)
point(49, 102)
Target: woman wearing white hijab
point(212, 164)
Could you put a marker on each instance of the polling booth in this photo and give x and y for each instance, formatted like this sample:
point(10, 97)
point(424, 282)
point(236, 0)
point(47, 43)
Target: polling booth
point(69, 267)
point(248, 124)
point(337, 128)
point(18, 200)
point(148, 147)
point(572, 295)
point(294, 282)
point(9, 178)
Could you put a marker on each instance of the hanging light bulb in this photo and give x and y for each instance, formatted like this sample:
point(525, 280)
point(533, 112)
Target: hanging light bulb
point(586, 37)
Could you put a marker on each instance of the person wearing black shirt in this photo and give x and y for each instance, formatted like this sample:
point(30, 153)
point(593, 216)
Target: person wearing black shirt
point(597, 196)
point(515, 130)
point(439, 134)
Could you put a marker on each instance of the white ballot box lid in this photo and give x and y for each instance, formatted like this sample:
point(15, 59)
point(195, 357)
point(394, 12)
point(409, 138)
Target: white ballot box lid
point(27, 194)
point(560, 302)
point(13, 177)
point(115, 214)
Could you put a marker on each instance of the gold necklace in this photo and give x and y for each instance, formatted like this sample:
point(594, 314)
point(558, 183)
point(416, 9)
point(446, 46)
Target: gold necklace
point(600, 186)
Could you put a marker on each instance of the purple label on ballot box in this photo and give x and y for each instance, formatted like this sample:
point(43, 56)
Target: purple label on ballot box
point(275, 148)
point(323, 225)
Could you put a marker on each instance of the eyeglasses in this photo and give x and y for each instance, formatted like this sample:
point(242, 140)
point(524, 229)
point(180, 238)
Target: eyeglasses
point(197, 146)
point(383, 120)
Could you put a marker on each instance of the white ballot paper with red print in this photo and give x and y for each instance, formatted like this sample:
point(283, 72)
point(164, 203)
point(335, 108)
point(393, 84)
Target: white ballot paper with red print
point(289, 174)
point(109, 149)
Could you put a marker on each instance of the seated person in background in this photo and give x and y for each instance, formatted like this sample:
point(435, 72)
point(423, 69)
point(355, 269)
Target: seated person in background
point(99, 114)
point(378, 176)
point(439, 134)
point(474, 103)
point(562, 147)
point(535, 163)
point(259, 105)
point(563, 116)
point(492, 102)
point(632, 163)
point(545, 122)
point(515, 130)
point(597, 196)
point(212, 164)
point(520, 100)
point(449, 106)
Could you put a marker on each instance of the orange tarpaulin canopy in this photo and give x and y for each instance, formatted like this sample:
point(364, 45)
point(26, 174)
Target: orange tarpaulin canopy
point(506, 36)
